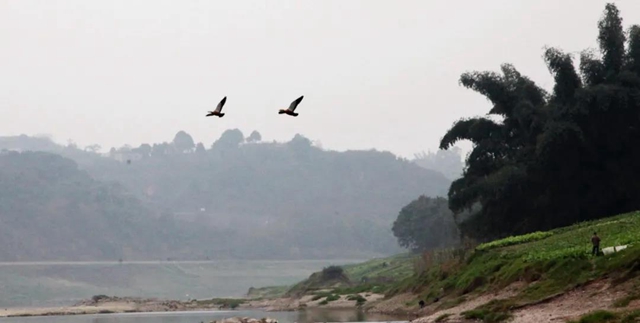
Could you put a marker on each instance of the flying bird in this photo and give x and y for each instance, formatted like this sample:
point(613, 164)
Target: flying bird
point(217, 112)
point(292, 107)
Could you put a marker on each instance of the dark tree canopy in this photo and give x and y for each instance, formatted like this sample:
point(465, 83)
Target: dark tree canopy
point(425, 224)
point(229, 139)
point(255, 136)
point(144, 150)
point(162, 149)
point(183, 142)
point(299, 143)
point(560, 157)
point(200, 148)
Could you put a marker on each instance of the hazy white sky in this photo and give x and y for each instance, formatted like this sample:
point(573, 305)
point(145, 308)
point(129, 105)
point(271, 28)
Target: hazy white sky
point(375, 74)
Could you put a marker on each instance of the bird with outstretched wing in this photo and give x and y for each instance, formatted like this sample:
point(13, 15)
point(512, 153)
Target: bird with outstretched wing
point(218, 111)
point(292, 107)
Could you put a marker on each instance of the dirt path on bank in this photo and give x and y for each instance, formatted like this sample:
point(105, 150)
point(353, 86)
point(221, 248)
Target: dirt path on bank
point(597, 295)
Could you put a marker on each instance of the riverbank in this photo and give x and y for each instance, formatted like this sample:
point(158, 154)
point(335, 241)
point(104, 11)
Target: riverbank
point(600, 294)
point(312, 301)
point(538, 277)
point(109, 305)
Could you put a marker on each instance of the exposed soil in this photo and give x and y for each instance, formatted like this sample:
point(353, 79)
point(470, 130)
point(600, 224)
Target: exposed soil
point(571, 305)
point(431, 312)
point(600, 294)
point(596, 295)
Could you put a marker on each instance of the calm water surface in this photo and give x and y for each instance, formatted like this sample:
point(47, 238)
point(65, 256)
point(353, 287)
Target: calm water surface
point(50, 284)
point(311, 315)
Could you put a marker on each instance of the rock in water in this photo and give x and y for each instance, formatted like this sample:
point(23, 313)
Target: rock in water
point(229, 320)
point(246, 320)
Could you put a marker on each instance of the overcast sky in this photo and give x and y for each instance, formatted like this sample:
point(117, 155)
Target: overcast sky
point(375, 74)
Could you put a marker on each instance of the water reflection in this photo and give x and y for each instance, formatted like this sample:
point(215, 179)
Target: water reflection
point(307, 316)
point(324, 315)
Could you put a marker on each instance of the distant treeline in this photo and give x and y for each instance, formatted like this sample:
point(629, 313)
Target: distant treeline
point(238, 198)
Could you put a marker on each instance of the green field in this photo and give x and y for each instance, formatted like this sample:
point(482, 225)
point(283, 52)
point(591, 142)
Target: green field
point(373, 276)
point(549, 262)
point(397, 268)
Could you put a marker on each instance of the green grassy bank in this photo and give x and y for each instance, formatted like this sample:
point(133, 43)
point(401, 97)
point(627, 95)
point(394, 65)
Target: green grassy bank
point(550, 263)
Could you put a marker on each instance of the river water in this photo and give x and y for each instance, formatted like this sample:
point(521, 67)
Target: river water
point(307, 316)
point(49, 284)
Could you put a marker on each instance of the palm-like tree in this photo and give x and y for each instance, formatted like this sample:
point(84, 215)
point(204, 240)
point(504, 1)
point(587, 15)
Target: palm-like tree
point(554, 158)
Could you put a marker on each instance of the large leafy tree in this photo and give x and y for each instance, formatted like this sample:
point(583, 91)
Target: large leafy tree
point(230, 139)
point(560, 157)
point(255, 136)
point(426, 223)
point(183, 142)
point(496, 167)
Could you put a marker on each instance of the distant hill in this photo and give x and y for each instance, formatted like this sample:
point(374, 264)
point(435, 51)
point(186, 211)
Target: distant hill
point(51, 210)
point(448, 162)
point(272, 200)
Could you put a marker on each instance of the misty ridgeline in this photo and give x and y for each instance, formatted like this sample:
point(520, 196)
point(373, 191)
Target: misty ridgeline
point(240, 198)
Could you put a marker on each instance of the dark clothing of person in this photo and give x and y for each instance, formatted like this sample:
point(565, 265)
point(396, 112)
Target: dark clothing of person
point(595, 240)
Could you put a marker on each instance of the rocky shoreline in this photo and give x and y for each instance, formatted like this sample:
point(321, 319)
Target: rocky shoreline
point(310, 301)
point(567, 306)
point(108, 305)
point(246, 320)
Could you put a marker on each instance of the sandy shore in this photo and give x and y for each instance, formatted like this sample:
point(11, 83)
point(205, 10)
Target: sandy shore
point(111, 305)
point(599, 294)
point(71, 310)
point(138, 305)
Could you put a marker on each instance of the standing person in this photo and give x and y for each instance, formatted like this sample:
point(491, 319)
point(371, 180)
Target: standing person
point(595, 240)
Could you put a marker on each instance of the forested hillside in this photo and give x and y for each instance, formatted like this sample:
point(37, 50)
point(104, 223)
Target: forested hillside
point(448, 162)
point(271, 200)
point(50, 210)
